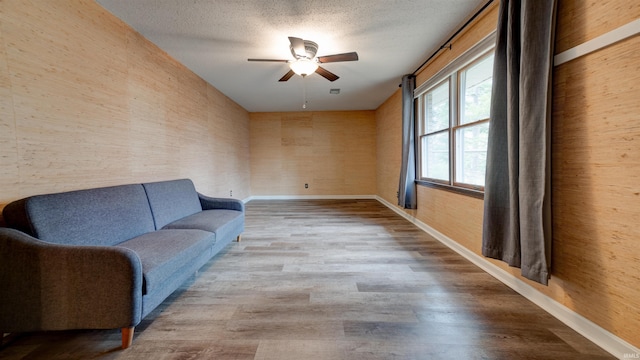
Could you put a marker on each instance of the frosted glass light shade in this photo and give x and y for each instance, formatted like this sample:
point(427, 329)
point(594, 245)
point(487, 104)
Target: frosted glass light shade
point(303, 67)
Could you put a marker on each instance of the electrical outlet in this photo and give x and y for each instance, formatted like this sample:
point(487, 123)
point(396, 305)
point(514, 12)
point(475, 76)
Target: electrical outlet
point(306, 186)
point(230, 192)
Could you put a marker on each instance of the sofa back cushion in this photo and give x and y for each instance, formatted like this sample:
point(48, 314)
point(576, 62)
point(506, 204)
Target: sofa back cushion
point(101, 216)
point(172, 200)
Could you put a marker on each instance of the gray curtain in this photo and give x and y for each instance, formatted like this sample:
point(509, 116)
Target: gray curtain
point(407, 197)
point(517, 226)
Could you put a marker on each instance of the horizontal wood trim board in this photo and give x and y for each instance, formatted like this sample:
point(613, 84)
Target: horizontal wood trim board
point(602, 41)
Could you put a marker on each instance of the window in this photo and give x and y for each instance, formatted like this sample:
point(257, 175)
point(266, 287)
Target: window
point(453, 116)
point(435, 164)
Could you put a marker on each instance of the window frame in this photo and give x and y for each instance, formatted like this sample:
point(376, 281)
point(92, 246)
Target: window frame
point(457, 121)
point(424, 134)
point(450, 73)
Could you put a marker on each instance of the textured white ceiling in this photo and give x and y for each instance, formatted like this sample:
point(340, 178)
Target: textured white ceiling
point(214, 38)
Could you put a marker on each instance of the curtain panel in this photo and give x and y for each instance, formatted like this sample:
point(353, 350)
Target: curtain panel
point(407, 196)
point(517, 206)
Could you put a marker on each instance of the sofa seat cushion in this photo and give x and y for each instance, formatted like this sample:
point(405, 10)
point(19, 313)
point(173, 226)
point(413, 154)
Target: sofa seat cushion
point(164, 253)
point(224, 223)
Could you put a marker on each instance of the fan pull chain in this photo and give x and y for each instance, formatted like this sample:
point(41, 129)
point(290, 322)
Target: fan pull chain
point(304, 92)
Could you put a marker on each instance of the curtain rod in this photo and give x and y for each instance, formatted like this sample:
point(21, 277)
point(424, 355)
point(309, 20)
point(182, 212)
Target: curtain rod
point(444, 46)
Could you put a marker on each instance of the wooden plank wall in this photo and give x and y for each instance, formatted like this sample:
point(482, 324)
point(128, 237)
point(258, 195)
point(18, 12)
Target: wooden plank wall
point(596, 164)
point(389, 136)
point(332, 151)
point(596, 167)
point(86, 101)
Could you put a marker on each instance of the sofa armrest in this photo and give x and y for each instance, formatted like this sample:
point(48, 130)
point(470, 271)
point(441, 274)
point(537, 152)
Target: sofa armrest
point(45, 286)
point(211, 203)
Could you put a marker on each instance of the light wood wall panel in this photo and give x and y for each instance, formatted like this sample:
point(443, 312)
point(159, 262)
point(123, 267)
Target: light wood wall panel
point(85, 101)
point(457, 216)
point(596, 193)
point(582, 20)
point(389, 144)
point(596, 164)
point(229, 166)
point(8, 149)
point(332, 151)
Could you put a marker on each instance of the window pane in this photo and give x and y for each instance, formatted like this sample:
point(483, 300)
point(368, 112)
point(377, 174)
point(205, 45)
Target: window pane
point(435, 162)
point(437, 108)
point(476, 91)
point(471, 154)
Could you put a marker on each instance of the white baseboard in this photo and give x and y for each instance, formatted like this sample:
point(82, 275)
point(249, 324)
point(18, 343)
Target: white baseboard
point(309, 197)
point(601, 337)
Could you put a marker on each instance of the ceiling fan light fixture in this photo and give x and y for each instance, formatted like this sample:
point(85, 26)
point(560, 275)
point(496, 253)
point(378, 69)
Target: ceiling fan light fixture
point(306, 62)
point(303, 67)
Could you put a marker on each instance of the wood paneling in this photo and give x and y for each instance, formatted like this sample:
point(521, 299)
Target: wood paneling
point(457, 216)
point(69, 97)
point(596, 164)
point(8, 147)
point(333, 152)
point(86, 101)
point(581, 21)
point(228, 135)
point(389, 143)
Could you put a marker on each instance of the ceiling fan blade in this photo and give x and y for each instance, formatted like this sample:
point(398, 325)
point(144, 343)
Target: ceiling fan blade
point(269, 60)
point(297, 45)
point(287, 76)
point(352, 56)
point(327, 74)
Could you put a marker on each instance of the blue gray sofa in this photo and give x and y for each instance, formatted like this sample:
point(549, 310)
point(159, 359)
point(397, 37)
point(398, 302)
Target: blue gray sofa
point(104, 258)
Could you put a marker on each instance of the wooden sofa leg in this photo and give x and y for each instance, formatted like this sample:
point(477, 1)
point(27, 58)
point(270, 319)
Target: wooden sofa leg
point(238, 238)
point(127, 337)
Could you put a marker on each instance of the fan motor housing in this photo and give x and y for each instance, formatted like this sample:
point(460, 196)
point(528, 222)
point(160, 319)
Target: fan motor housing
point(310, 47)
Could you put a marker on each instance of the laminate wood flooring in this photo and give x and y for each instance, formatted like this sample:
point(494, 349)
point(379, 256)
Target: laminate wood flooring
point(330, 279)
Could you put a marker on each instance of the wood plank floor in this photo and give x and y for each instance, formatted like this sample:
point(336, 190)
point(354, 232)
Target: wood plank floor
point(325, 279)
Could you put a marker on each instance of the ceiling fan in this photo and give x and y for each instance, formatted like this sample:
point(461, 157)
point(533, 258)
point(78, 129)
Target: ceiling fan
point(305, 61)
